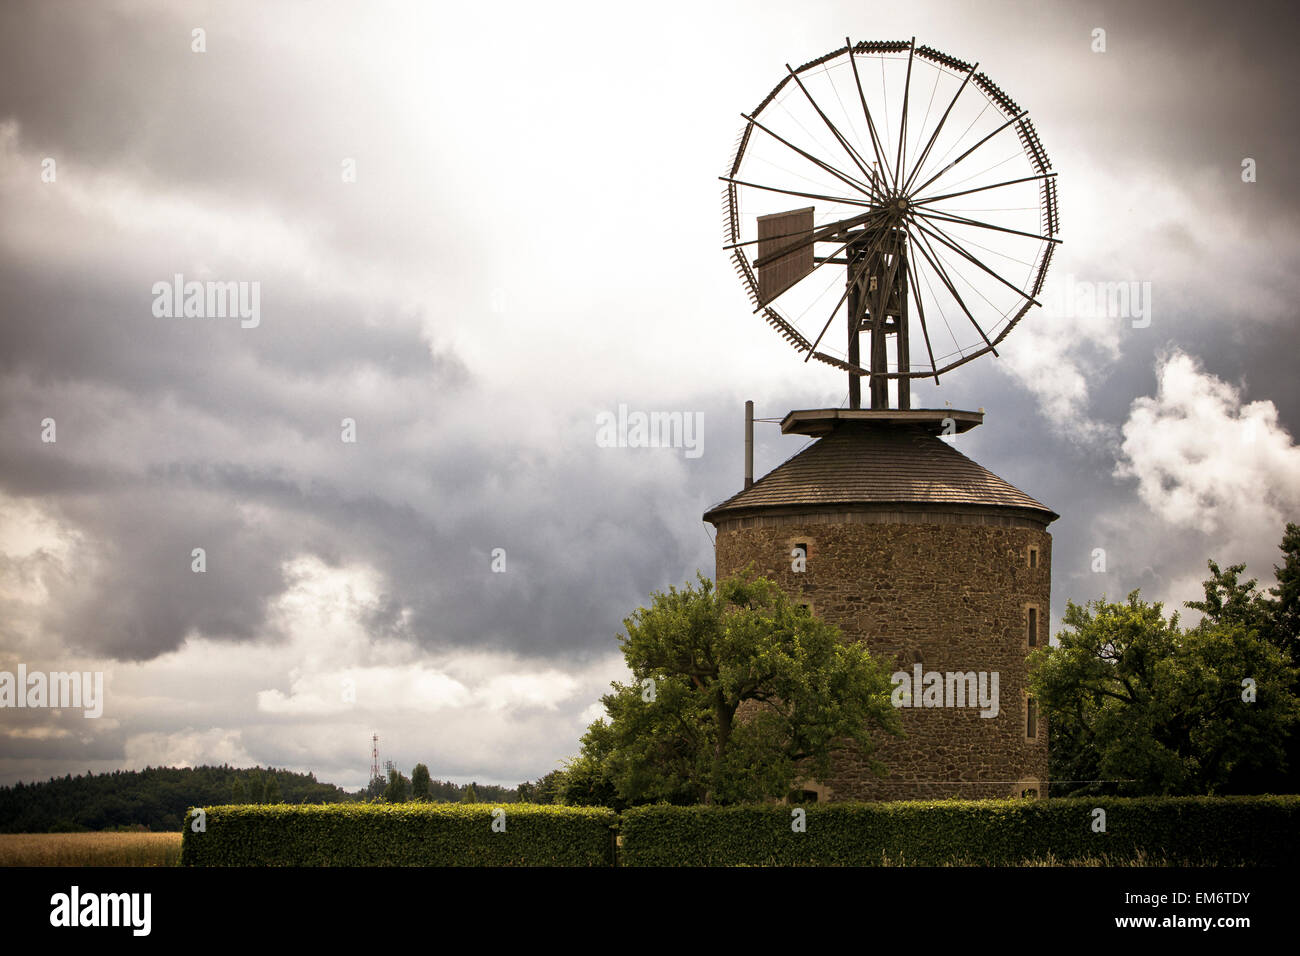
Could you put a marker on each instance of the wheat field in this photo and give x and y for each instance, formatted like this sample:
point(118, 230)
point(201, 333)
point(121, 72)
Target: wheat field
point(90, 849)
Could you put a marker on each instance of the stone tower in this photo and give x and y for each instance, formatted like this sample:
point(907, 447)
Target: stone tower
point(940, 566)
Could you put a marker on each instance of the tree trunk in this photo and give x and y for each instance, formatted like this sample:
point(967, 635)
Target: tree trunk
point(722, 714)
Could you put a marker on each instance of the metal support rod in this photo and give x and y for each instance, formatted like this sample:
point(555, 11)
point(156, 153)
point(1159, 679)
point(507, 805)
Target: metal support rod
point(749, 444)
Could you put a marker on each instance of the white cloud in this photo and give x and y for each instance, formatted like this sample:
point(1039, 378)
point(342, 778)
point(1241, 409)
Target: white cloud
point(187, 748)
point(1216, 478)
point(1205, 459)
point(334, 692)
point(593, 713)
point(1055, 355)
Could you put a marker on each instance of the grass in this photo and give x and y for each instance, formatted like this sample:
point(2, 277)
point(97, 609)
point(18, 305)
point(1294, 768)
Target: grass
point(90, 849)
point(1140, 859)
point(164, 849)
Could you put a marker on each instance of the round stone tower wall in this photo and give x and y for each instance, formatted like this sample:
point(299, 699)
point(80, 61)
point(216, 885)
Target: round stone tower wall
point(950, 589)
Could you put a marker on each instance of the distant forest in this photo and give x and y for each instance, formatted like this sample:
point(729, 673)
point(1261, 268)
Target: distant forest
point(156, 798)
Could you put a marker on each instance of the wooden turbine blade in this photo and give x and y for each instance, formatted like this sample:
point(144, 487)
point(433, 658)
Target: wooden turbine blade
point(784, 230)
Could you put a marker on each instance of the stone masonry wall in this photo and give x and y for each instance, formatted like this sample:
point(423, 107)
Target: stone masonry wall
point(951, 597)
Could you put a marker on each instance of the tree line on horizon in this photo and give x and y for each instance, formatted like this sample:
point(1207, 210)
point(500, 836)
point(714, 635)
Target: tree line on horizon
point(157, 798)
point(420, 786)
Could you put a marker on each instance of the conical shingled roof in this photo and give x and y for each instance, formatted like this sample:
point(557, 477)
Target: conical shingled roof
point(869, 463)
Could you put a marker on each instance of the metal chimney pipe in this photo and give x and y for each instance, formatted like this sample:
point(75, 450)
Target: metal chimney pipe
point(749, 444)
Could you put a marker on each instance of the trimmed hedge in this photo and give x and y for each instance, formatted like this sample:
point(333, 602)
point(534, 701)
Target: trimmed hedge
point(1177, 830)
point(1261, 831)
point(403, 834)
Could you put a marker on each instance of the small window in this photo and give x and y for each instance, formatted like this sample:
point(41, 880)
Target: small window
point(1033, 557)
point(1033, 627)
point(806, 608)
point(1029, 794)
point(802, 546)
point(1031, 719)
point(802, 796)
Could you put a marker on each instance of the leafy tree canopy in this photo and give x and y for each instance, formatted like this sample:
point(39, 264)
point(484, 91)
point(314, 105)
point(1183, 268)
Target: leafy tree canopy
point(1286, 595)
point(399, 787)
point(1131, 696)
point(420, 782)
point(1276, 616)
point(546, 789)
point(737, 692)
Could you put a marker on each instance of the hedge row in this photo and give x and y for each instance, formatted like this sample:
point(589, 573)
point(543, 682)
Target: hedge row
point(1178, 830)
point(403, 834)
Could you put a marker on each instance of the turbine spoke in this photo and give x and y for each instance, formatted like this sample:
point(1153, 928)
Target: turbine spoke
point(862, 266)
point(1023, 114)
point(907, 184)
point(871, 126)
point(980, 189)
point(925, 331)
point(943, 276)
point(848, 148)
point(902, 128)
point(963, 221)
point(863, 188)
point(942, 236)
point(793, 192)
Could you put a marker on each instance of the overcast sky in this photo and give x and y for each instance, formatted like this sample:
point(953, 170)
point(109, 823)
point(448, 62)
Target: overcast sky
point(533, 238)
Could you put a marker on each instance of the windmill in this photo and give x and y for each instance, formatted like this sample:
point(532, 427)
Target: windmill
point(933, 216)
point(893, 214)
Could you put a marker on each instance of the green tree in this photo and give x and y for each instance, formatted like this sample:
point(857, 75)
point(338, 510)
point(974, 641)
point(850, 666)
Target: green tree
point(546, 789)
point(1130, 696)
point(585, 781)
point(1276, 615)
point(468, 795)
point(1286, 595)
point(1286, 635)
point(1229, 601)
point(273, 789)
point(399, 787)
point(256, 786)
point(1275, 618)
point(738, 692)
point(420, 782)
